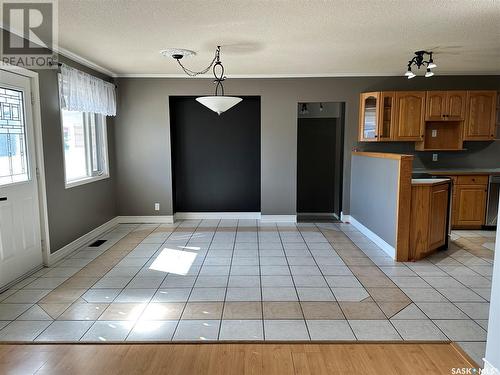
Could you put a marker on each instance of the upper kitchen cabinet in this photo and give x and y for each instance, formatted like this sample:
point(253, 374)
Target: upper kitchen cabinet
point(376, 116)
point(445, 105)
point(368, 116)
point(410, 111)
point(480, 116)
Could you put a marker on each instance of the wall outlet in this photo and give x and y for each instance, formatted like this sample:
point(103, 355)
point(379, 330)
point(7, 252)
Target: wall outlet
point(434, 133)
point(434, 157)
point(157, 207)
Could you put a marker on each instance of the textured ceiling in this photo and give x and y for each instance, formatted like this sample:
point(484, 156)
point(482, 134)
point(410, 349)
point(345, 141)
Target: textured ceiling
point(284, 38)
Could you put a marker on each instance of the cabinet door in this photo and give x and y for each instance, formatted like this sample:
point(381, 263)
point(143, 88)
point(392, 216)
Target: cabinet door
point(471, 202)
point(455, 105)
point(410, 115)
point(368, 116)
point(480, 116)
point(435, 105)
point(386, 116)
point(438, 214)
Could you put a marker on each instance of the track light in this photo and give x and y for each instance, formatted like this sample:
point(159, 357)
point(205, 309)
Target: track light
point(321, 107)
point(409, 73)
point(418, 61)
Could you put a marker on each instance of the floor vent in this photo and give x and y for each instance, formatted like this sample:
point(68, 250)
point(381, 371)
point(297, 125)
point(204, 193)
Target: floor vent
point(97, 243)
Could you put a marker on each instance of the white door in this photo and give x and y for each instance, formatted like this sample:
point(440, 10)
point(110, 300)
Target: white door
point(20, 238)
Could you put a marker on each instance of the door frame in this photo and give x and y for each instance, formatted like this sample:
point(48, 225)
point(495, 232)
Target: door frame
point(40, 166)
point(342, 124)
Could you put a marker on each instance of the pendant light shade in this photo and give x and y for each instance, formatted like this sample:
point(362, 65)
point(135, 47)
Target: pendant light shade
point(218, 103)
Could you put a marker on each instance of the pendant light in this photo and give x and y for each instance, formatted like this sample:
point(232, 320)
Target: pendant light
point(219, 103)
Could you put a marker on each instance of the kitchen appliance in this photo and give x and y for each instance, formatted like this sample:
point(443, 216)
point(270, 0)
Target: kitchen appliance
point(493, 196)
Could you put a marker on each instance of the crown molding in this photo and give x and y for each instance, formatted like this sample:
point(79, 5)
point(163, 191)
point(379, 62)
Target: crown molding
point(86, 62)
point(285, 75)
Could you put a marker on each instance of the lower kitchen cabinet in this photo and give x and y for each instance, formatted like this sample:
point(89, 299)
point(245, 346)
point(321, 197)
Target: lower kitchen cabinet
point(469, 202)
point(428, 218)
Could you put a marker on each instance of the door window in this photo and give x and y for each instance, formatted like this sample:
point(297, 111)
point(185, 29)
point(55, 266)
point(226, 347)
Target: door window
point(13, 153)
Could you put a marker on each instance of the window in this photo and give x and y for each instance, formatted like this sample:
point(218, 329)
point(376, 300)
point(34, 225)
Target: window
point(13, 155)
point(85, 147)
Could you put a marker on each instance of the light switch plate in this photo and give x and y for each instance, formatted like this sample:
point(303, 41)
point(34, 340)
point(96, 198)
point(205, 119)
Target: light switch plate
point(157, 207)
point(434, 157)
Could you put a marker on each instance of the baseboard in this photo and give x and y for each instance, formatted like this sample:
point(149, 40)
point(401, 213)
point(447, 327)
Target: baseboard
point(81, 241)
point(216, 215)
point(390, 250)
point(164, 219)
point(345, 218)
point(279, 218)
point(489, 369)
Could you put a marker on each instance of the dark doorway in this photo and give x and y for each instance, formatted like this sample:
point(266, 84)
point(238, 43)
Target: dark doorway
point(320, 160)
point(215, 159)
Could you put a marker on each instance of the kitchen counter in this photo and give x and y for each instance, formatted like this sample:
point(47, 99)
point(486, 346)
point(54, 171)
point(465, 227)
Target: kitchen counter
point(429, 181)
point(460, 171)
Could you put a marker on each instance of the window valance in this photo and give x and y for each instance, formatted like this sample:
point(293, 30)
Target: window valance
point(83, 92)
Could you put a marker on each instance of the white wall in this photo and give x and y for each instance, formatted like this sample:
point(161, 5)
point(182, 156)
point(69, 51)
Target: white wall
point(493, 343)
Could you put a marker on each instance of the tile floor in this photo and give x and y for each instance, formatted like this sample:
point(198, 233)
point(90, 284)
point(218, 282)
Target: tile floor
point(247, 280)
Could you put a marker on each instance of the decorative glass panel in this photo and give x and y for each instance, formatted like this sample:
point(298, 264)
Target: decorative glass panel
point(13, 153)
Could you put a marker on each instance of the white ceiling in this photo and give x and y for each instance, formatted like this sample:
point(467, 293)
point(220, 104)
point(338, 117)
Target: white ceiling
point(284, 38)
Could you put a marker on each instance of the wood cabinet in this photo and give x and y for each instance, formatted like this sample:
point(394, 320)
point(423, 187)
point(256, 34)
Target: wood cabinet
point(449, 117)
point(369, 103)
point(428, 218)
point(469, 201)
point(445, 105)
point(480, 116)
point(410, 110)
point(376, 116)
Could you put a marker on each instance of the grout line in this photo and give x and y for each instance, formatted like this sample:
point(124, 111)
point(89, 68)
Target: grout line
point(228, 276)
point(54, 320)
point(293, 280)
point(196, 278)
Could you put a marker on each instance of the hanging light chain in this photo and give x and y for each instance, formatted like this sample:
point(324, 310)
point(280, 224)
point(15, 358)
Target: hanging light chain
point(193, 73)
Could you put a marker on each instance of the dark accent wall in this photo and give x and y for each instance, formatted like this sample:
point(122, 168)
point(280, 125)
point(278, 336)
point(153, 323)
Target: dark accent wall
point(143, 135)
point(215, 159)
point(316, 164)
point(76, 211)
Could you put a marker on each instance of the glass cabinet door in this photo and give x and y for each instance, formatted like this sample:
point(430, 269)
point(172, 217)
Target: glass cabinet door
point(369, 113)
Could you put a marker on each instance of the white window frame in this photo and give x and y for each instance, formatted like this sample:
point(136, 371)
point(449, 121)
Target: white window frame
point(94, 176)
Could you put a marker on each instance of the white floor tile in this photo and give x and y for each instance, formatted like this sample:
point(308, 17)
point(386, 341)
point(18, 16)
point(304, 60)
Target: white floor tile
point(64, 331)
point(330, 330)
point(153, 330)
point(285, 330)
point(23, 330)
point(104, 331)
point(241, 330)
point(374, 330)
point(197, 330)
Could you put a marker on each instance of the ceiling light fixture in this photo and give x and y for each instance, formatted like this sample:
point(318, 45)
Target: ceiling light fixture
point(429, 73)
point(418, 61)
point(219, 102)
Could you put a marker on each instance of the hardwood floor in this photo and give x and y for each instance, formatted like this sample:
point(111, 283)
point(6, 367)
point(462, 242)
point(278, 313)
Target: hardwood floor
point(256, 359)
